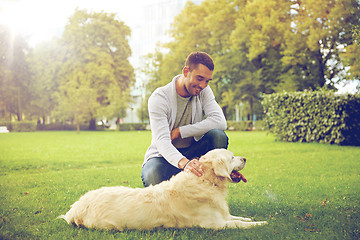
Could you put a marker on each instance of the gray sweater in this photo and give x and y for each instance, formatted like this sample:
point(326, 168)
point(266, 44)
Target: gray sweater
point(162, 108)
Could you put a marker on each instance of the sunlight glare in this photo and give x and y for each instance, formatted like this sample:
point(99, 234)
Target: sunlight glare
point(35, 20)
point(40, 20)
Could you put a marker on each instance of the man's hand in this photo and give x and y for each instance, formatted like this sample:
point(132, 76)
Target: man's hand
point(193, 166)
point(175, 134)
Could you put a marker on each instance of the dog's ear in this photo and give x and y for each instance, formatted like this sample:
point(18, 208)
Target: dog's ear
point(221, 167)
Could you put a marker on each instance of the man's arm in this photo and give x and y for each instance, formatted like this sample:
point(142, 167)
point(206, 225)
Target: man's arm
point(159, 112)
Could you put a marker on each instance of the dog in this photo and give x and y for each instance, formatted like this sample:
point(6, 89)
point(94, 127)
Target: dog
point(185, 200)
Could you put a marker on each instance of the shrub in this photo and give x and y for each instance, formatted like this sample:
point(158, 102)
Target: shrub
point(23, 126)
point(319, 116)
point(245, 125)
point(132, 126)
point(64, 127)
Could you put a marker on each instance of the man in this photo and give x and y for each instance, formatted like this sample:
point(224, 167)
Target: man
point(180, 133)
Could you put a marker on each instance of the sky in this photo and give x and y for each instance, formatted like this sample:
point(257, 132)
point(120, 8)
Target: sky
point(40, 20)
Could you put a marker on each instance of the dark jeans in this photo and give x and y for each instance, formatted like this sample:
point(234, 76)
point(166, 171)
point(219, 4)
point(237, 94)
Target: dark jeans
point(158, 169)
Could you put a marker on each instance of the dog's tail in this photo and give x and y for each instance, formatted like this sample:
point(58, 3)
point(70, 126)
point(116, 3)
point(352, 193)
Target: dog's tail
point(69, 216)
point(63, 217)
point(73, 216)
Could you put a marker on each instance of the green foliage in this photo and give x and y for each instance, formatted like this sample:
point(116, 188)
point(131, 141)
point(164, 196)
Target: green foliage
point(132, 126)
point(245, 125)
point(351, 53)
point(45, 64)
point(314, 116)
point(43, 173)
point(15, 76)
point(64, 127)
point(239, 126)
point(96, 75)
point(23, 126)
point(69, 127)
point(264, 46)
point(83, 75)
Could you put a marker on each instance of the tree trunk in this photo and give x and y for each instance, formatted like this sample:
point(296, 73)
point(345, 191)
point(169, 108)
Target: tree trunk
point(321, 70)
point(19, 112)
point(251, 101)
point(77, 126)
point(92, 125)
point(225, 112)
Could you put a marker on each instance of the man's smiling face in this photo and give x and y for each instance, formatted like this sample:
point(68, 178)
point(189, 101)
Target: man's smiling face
point(197, 79)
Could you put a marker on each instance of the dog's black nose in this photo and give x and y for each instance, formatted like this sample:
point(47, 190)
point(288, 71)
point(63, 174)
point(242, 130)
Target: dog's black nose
point(244, 159)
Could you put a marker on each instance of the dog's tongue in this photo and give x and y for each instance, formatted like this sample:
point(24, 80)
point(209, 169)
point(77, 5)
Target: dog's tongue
point(237, 177)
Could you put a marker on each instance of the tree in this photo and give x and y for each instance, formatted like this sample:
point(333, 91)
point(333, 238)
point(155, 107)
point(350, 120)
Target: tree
point(151, 67)
point(315, 40)
point(14, 75)
point(188, 34)
point(255, 49)
point(265, 46)
point(45, 61)
point(96, 74)
point(351, 56)
point(206, 27)
point(210, 27)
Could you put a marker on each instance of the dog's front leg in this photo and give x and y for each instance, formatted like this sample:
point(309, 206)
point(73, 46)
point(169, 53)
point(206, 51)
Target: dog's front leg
point(242, 224)
point(239, 218)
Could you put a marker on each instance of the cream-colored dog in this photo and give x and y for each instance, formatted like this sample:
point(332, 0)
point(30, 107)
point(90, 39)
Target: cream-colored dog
point(184, 201)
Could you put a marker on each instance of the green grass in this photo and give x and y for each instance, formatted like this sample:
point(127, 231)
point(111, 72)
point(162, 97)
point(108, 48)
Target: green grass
point(43, 173)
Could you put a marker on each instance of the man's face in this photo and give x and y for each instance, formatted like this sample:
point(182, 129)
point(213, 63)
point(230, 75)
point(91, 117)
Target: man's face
point(197, 79)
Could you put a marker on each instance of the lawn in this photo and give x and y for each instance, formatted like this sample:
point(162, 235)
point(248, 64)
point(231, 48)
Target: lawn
point(304, 191)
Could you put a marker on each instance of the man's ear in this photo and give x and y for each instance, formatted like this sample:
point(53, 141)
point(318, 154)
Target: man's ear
point(186, 71)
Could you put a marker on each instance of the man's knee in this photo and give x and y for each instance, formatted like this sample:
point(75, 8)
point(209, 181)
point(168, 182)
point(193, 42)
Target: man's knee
point(151, 174)
point(157, 170)
point(218, 138)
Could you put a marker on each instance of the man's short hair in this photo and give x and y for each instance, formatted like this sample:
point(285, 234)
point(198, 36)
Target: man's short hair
point(196, 58)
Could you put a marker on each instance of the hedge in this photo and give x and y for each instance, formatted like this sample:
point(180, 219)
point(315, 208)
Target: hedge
point(64, 127)
point(245, 125)
point(23, 126)
point(29, 126)
point(132, 126)
point(314, 116)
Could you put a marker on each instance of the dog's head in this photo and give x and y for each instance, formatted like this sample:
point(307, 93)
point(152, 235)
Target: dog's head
point(225, 164)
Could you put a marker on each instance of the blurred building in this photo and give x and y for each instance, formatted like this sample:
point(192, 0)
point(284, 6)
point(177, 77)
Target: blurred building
point(156, 20)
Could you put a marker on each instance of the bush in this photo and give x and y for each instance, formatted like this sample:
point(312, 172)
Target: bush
point(132, 126)
point(64, 127)
point(56, 127)
point(23, 126)
point(259, 125)
point(245, 125)
point(319, 116)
